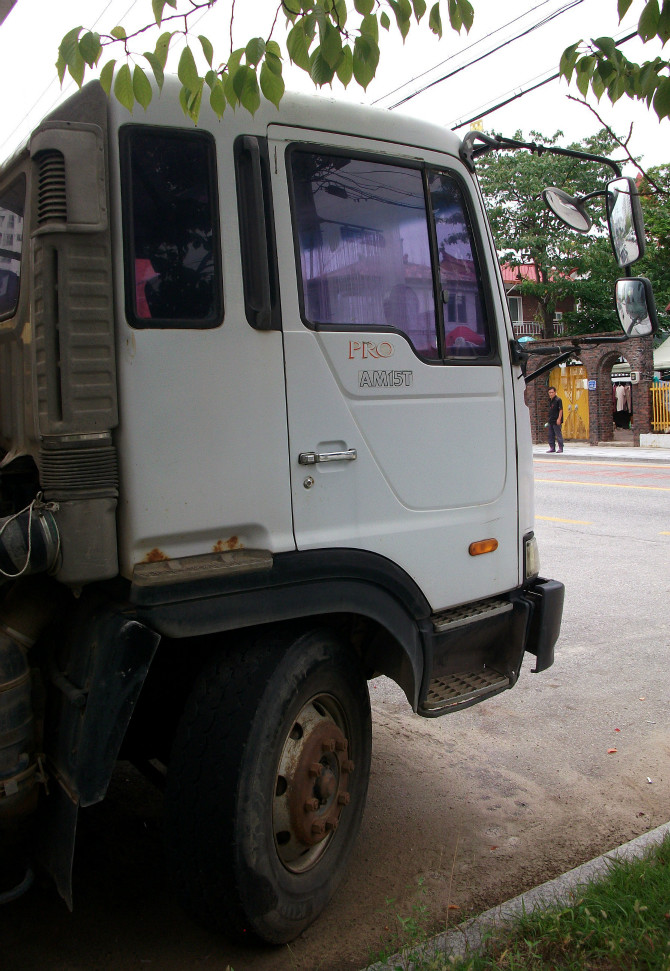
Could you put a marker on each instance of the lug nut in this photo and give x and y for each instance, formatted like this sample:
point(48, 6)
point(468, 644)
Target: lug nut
point(341, 745)
point(332, 824)
point(343, 799)
point(318, 829)
point(311, 805)
point(328, 745)
point(347, 766)
point(315, 769)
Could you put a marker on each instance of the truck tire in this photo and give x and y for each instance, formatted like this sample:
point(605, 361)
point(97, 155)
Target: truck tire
point(267, 784)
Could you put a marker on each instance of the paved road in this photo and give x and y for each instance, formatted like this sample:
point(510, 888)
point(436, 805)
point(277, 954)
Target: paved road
point(466, 810)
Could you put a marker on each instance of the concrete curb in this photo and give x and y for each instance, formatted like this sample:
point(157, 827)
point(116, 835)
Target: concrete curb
point(471, 934)
point(607, 453)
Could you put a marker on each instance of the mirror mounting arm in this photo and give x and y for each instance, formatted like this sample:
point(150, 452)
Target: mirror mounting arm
point(563, 353)
point(476, 143)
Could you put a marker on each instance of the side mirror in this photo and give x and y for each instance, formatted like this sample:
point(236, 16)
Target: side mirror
point(568, 209)
point(625, 220)
point(635, 306)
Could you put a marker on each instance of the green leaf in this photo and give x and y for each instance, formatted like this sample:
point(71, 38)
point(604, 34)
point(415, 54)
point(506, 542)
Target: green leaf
point(192, 101)
point(435, 20)
point(118, 32)
point(273, 64)
point(107, 76)
point(648, 22)
point(419, 9)
point(245, 84)
point(229, 88)
point(662, 99)
point(597, 85)
point(162, 48)
point(384, 20)
point(370, 28)
point(77, 68)
point(345, 68)
point(331, 46)
point(141, 88)
point(217, 99)
point(254, 50)
point(467, 14)
point(272, 84)
point(272, 47)
point(292, 7)
point(403, 13)
point(366, 58)
point(68, 48)
point(207, 48)
point(156, 67)
point(90, 48)
point(364, 7)
point(61, 67)
point(187, 72)
point(606, 45)
point(623, 6)
point(568, 60)
point(340, 13)
point(320, 70)
point(585, 68)
point(298, 46)
point(663, 29)
point(157, 7)
point(123, 87)
point(455, 18)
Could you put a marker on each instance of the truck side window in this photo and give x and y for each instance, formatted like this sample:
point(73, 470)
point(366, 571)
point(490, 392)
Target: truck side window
point(172, 260)
point(466, 333)
point(12, 202)
point(364, 246)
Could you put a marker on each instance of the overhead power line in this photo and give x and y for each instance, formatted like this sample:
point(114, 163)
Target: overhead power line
point(494, 50)
point(462, 51)
point(514, 96)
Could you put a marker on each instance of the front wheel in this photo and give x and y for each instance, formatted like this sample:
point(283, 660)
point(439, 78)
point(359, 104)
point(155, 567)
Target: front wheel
point(267, 784)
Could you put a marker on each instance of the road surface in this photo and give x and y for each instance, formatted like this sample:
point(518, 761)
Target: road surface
point(464, 811)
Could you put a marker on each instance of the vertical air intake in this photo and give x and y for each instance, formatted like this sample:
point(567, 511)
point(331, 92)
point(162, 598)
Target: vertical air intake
point(52, 197)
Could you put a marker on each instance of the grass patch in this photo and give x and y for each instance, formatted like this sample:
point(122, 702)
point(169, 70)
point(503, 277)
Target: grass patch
point(620, 923)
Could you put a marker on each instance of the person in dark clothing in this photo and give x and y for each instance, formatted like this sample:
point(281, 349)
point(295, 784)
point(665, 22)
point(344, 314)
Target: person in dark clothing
point(555, 422)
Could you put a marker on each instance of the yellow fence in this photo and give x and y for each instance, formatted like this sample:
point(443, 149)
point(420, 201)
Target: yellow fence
point(660, 407)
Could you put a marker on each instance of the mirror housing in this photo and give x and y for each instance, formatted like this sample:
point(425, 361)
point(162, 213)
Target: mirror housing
point(567, 208)
point(635, 306)
point(625, 221)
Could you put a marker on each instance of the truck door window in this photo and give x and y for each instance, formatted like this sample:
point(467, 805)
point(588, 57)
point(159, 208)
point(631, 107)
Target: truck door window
point(466, 333)
point(364, 246)
point(172, 261)
point(12, 202)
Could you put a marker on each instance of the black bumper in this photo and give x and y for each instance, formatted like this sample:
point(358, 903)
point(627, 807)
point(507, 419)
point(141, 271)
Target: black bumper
point(546, 602)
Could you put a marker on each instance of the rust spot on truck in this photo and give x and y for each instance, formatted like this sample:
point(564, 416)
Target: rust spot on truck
point(155, 556)
point(223, 545)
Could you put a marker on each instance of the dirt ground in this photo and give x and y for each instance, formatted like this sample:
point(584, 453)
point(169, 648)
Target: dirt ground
point(463, 813)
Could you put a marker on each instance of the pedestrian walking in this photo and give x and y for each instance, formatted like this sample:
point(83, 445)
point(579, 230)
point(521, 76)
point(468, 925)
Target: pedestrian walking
point(555, 421)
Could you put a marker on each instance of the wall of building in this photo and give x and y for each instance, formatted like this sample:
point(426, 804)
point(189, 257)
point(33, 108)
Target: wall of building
point(598, 361)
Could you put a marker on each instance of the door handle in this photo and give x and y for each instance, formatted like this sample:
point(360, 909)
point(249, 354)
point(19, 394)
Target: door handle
point(312, 458)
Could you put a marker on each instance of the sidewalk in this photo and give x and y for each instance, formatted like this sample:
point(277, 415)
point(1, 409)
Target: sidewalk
point(608, 452)
point(471, 935)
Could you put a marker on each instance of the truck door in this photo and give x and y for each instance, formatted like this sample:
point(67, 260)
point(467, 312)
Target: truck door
point(401, 426)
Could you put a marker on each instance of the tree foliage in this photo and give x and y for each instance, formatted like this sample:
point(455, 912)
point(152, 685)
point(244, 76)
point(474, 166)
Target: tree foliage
point(600, 65)
point(565, 264)
point(326, 39)
point(329, 39)
point(656, 210)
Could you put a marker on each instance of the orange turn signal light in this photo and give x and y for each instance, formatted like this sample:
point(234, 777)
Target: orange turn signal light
point(483, 546)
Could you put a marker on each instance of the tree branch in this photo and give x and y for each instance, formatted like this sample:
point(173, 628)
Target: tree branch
point(622, 144)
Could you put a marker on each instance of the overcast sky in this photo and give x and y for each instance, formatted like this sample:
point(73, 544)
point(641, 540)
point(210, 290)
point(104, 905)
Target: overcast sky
point(30, 35)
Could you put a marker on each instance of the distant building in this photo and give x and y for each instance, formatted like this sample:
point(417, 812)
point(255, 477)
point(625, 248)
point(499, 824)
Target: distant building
point(525, 310)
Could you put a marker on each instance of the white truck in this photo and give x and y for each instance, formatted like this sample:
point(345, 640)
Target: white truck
point(262, 437)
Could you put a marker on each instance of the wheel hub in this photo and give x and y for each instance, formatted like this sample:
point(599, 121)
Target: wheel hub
point(312, 786)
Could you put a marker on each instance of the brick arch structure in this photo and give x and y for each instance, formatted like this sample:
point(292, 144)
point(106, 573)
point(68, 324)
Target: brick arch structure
point(598, 361)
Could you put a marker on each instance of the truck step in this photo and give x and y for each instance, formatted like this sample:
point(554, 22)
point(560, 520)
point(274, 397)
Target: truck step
point(454, 691)
point(460, 616)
